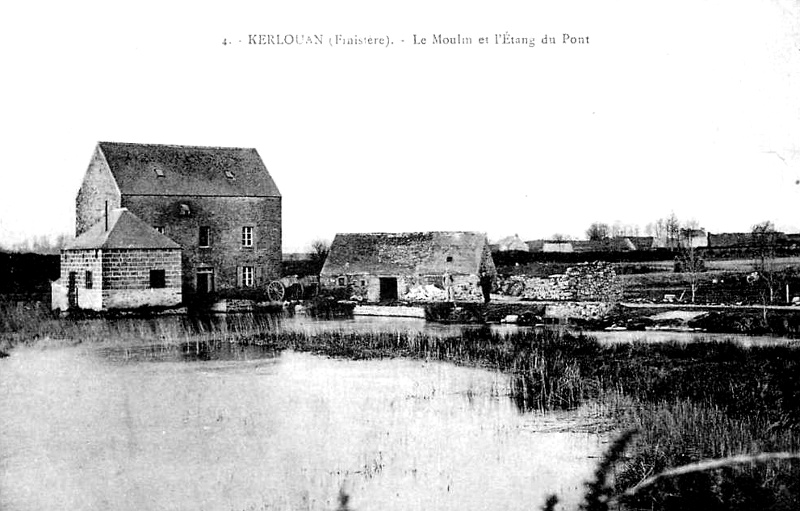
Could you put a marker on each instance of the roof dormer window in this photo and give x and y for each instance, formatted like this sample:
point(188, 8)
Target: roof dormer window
point(229, 175)
point(158, 171)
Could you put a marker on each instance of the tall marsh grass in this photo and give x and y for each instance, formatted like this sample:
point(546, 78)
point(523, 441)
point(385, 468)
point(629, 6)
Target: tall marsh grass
point(688, 402)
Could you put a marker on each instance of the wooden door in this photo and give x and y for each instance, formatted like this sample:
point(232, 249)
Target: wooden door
point(72, 290)
point(388, 288)
point(205, 281)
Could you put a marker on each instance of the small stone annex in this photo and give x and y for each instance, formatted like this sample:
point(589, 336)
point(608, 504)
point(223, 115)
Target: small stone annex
point(412, 266)
point(119, 263)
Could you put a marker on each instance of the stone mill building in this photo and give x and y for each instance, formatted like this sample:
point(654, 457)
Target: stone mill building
point(218, 204)
point(378, 267)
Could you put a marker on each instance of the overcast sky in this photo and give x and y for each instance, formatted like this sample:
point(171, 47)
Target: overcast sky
point(684, 106)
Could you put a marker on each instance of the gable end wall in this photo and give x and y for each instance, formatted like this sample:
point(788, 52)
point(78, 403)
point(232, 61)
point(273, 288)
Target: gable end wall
point(98, 187)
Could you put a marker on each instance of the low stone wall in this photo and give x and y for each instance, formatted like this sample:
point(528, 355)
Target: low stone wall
point(578, 310)
point(135, 298)
point(394, 311)
point(583, 282)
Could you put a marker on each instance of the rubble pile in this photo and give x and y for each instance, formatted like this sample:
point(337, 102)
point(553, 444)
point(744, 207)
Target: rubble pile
point(555, 287)
point(428, 293)
point(583, 282)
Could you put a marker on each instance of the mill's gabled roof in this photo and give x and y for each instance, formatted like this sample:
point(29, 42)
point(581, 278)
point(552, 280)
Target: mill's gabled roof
point(125, 231)
point(150, 169)
point(422, 253)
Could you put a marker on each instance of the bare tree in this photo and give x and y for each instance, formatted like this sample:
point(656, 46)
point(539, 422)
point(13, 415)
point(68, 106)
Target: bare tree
point(672, 230)
point(617, 230)
point(319, 252)
point(765, 240)
point(689, 260)
point(558, 237)
point(41, 244)
point(597, 231)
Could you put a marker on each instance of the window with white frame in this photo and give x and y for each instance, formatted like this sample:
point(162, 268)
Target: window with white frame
point(205, 236)
point(247, 276)
point(247, 236)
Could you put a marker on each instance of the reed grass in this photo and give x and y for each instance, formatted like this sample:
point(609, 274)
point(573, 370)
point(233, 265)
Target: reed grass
point(689, 402)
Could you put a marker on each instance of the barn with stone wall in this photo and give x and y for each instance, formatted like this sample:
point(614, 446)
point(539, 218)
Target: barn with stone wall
point(380, 267)
point(220, 205)
point(119, 263)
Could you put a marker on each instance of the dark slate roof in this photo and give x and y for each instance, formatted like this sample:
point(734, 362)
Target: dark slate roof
point(730, 239)
point(743, 239)
point(604, 245)
point(641, 242)
point(187, 170)
point(421, 253)
point(125, 231)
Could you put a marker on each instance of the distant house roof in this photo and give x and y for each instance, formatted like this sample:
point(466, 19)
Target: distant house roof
point(512, 243)
point(535, 245)
point(148, 169)
point(125, 231)
point(730, 239)
point(604, 245)
point(743, 239)
point(557, 246)
point(421, 253)
point(641, 242)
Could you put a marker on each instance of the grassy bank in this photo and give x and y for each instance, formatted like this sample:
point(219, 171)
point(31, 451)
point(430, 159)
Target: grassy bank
point(687, 402)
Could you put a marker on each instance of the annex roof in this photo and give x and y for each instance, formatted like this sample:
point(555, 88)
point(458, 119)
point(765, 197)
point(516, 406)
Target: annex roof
point(125, 231)
point(149, 169)
point(421, 253)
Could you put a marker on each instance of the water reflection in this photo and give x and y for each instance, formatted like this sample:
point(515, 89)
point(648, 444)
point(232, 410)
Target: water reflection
point(241, 429)
point(195, 351)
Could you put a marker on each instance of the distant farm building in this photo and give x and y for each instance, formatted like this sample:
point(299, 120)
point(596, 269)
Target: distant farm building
point(642, 242)
point(220, 205)
point(119, 263)
point(617, 244)
point(409, 266)
point(733, 240)
point(511, 243)
point(746, 244)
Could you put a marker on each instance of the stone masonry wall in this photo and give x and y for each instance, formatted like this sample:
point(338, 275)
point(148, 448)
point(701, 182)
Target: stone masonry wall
point(81, 261)
point(126, 278)
point(98, 187)
point(578, 310)
point(225, 217)
point(466, 288)
point(583, 282)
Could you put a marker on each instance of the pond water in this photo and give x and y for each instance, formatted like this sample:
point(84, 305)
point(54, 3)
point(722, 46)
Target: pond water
point(145, 427)
point(415, 325)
